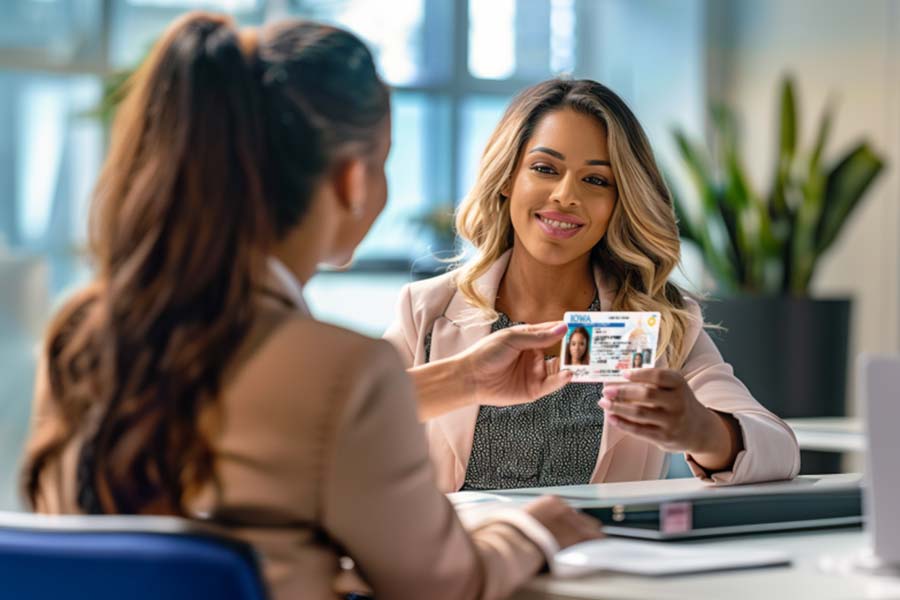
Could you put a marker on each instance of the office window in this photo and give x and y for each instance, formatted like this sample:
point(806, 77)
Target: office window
point(54, 151)
point(492, 38)
point(222, 5)
point(394, 34)
point(136, 24)
point(479, 116)
point(453, 66)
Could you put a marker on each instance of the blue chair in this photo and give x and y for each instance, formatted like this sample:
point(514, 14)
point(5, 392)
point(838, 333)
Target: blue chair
point(116, 557)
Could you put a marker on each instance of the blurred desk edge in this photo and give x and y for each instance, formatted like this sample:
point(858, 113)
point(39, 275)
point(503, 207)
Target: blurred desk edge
point(829, 434)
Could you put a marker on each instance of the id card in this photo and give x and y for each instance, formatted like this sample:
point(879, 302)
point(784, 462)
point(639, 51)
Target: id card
point(599, 346)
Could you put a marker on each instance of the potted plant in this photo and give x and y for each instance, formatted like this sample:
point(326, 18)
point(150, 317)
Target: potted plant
point(763, 249)
point(438, 223)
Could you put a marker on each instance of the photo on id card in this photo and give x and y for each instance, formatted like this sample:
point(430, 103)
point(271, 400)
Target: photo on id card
point(599, 346)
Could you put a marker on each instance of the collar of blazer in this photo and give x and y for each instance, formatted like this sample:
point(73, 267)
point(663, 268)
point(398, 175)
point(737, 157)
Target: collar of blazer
point(459, 327)
point(280, 283)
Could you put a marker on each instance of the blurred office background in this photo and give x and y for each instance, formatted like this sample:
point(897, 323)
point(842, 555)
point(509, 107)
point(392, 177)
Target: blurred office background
point(454, 66)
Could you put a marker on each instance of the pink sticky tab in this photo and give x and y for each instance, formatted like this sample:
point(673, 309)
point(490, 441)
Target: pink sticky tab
point(676, 517)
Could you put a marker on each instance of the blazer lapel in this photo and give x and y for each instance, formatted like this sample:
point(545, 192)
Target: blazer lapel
point(280, 285)
point(638, 450)
point(457, 329)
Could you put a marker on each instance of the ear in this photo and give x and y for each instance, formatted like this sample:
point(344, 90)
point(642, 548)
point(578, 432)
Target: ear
point(506, 190)
point(350, 185)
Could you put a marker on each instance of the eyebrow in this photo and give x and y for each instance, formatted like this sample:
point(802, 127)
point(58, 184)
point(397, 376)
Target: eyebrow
point(559, 155)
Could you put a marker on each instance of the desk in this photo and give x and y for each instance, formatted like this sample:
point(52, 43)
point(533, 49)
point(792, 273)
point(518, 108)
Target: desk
point(803, 579)
point(800, 581)
point(829, 434)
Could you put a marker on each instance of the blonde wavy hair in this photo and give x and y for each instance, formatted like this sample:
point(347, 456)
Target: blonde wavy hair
point(641, 246)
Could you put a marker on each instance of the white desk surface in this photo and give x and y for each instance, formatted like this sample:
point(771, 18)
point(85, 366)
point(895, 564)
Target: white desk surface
point(804, 578)
point(831, 434)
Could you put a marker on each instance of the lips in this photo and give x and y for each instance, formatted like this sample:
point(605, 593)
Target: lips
point(558, 225)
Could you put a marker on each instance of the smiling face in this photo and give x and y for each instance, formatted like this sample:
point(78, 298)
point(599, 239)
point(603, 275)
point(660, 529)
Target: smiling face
point(563, 190)
point(578, 348)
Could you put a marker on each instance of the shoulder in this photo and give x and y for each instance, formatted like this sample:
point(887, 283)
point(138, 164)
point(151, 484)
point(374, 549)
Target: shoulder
point(420, 303)
point(432, 294)
point(692, 311)
point(348, 375)
point(306, 373)
point(692, 307)
point(326, 348)
point(303, 367)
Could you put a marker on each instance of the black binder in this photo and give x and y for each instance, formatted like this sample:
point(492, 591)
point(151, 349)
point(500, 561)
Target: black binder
point(707, 516)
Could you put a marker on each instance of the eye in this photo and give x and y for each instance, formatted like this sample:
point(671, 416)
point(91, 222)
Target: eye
point(543, 169)
point(596, 180)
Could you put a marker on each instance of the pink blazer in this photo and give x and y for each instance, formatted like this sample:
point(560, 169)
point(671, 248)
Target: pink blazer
point(436, 306)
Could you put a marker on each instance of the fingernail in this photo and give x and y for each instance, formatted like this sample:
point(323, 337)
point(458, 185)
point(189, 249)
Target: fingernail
point(627, 374)
point(605, 403)
point(559, 327)
point(610, 392)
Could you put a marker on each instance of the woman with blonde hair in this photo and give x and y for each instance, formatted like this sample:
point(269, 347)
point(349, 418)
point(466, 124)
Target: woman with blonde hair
point(190, 379)
point(570, 213)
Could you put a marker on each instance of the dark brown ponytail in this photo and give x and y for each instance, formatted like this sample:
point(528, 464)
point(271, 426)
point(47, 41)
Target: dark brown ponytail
point(174, 225)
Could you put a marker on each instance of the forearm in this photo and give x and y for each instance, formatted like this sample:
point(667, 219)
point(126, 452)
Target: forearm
point(721, 445)
point(441, 387)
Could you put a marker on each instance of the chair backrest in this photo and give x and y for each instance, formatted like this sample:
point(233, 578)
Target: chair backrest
point(878, 378)
point(139, 558)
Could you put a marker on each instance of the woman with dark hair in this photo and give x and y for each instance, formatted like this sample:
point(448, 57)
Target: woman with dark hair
point(190, 379)
point(578, 349)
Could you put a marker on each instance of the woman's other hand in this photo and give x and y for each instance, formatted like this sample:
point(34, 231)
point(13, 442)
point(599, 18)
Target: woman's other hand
point(659, 406)
point(567, 525)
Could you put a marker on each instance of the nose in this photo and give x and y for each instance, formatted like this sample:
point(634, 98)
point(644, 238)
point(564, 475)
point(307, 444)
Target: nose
point(564, 191)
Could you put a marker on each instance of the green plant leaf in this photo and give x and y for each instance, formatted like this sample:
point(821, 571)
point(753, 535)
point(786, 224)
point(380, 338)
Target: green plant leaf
point(698, 168)
point(845, 185)
point(719, 258)
point(787, 144)
point(115, 87)
point(686, 227)
point(810, 214)
point(744, 211)
point(772, 244)
point(787, 138)
point(824, 132)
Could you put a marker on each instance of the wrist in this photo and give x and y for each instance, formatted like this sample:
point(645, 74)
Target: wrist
point(465, 369)
point(716, 445)
point(442, 386)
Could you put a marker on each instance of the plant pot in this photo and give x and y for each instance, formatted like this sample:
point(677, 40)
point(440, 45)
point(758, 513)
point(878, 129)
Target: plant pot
point(791, 353)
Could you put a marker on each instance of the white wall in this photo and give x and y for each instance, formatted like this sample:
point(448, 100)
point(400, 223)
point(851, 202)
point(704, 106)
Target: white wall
point(847, 52)
point(652, 53)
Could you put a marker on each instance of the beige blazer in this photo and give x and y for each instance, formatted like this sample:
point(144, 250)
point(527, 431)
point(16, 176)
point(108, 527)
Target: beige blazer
point(321, 456)
point(436, 306)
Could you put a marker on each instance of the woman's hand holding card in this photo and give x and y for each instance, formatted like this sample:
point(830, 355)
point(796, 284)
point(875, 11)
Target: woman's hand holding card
point(659, 406)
